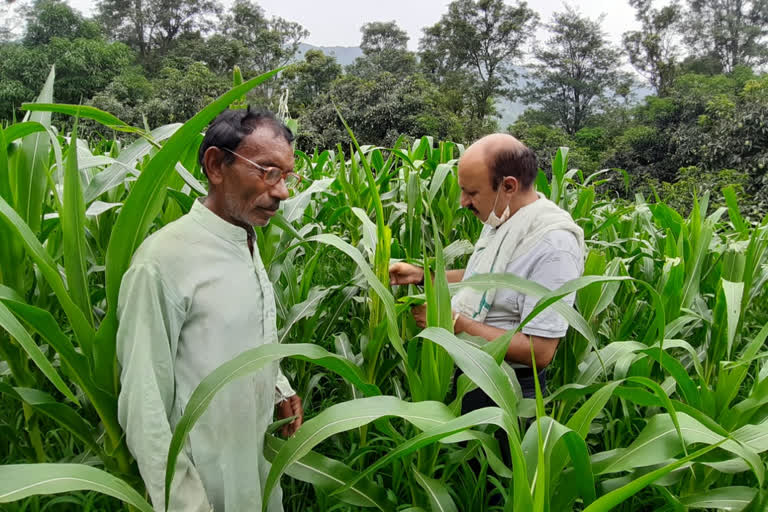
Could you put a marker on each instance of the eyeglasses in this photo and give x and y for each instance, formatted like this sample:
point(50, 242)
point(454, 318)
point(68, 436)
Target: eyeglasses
point(272, 176)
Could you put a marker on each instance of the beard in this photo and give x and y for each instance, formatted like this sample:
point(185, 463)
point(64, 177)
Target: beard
point(253, 212)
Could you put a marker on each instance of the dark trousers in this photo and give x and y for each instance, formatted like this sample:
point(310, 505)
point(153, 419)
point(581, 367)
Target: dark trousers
point(477, 399)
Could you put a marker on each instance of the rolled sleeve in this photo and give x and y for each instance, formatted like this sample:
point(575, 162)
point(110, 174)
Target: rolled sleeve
point(552, 271)
point(283, 389)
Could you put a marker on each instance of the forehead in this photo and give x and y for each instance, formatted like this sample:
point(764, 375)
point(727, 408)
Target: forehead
point(473, 172)
point(265, 144)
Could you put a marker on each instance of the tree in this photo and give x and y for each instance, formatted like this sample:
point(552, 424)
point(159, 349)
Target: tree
point(733, 31)
point(652, 49)
point(270, 43)
point(85, 66)
point(153, 25)
point(384, 46)
point(181, 92)
point(309, 79)
point(379, 36)
point(22, 70)
point(379, 110)
point(575, 68)
point(219, 52)
point(475, 45)
point(47, 19)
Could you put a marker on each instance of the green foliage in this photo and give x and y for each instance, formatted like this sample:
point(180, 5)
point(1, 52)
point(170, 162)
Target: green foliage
point(269, 43)
point(381, 109)
point(310, 79)
point(574, 70)
point(471, 50)
point(379, 36)
point(652, 50)
point(663, 369)
point(152, 27)
point(86, 66)
point(49, 19)
point(732, 33)
point(693, 182)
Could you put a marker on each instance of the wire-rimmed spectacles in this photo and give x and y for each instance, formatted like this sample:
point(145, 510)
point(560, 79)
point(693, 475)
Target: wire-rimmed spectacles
point(273, 175)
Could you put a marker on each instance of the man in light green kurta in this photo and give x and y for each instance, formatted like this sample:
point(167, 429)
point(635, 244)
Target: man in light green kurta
point(197, 295)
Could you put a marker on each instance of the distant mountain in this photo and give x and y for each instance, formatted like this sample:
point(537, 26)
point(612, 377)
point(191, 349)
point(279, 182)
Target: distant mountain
point(345, 55)
point(508, 110)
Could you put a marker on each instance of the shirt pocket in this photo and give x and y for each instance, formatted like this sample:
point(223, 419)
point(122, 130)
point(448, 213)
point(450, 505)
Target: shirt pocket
point(514, 302)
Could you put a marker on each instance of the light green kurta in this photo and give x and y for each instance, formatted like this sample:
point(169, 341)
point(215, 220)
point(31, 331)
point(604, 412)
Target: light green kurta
point(192, 299)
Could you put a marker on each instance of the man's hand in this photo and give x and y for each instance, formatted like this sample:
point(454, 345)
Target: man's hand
point(405, 273)
point(420, 315)
point(291, 406)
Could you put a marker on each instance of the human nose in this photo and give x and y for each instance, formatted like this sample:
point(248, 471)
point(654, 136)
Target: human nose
point(465, 201)
point(280, 191)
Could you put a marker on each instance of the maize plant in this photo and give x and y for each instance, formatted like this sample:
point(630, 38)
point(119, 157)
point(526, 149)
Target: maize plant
point(657, 400)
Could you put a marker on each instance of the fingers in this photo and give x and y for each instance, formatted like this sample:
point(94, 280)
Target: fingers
point(419, 313)
point(396, 273)
point(298, 411)
point(293, 408)
point(404, 273)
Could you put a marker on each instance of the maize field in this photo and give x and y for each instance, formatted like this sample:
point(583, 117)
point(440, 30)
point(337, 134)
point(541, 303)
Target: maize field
point(657, 398)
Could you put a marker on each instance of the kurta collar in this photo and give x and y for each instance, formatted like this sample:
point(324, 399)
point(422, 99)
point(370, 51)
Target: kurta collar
point(216, 224)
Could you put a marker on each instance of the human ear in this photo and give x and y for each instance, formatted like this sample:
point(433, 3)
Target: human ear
point(511, 184)
point(212, 161)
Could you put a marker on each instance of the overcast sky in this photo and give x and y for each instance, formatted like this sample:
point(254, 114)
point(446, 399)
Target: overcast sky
point(338, 22)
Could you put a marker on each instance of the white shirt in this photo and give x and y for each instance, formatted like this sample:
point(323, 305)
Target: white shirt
point(555, 260)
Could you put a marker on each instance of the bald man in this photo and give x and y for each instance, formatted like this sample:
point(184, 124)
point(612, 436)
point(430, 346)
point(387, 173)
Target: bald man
point(525, 234)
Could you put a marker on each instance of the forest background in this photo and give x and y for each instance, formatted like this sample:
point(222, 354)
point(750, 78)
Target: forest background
point(681, 104)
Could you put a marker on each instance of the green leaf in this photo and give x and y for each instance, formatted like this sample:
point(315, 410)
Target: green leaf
point(439, 497)
point(19, 130)
point(733, 293)
point(580, 423)
point(483, 370)
point(723, 498)
point(329, 475)
point(659, 441)
point(47, 267)
point(79, 371)
point(88, 112)
point(540, 465)
point(346, 416)
point(18, 481)
point(448, 429)
point(17, 331)
point(59, 412)
point(609, 501)
point(373, 282)
point(246, 363)
point(32, 168)
point(479, 366)
point(304, 309)
point(114, 175)
point(438, 178)
point(729, 193)
point(72, 217)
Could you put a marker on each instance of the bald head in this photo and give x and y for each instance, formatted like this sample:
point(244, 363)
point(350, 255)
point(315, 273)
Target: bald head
point(501, 155)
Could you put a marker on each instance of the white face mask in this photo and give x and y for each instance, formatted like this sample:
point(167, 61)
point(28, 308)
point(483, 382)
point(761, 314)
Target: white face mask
point(492, 219)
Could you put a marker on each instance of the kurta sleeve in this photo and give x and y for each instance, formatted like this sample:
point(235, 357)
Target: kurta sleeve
point(150, 318)
point(283, 388)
